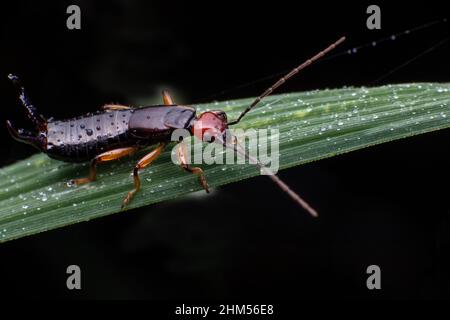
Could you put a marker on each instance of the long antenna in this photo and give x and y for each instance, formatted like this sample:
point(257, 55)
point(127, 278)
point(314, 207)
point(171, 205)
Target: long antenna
point(283, 186)
point(292, 73)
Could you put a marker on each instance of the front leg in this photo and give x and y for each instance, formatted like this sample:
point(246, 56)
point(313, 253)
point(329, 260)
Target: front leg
point(103, 157)
point(182, 158)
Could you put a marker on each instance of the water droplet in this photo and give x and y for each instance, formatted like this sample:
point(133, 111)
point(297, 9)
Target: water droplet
point(89, 132)
point(25, 206)
point(82, 126)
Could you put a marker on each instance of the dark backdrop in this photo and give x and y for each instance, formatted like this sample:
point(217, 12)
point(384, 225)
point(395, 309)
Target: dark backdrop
point(386, 205)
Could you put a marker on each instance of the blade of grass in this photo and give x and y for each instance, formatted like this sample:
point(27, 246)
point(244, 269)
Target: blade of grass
point(313, 125)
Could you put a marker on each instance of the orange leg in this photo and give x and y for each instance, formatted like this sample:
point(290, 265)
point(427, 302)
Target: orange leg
point(181, 154)
point(145, 161)
point(114, 107)
point(167, 99)
point(104, 157)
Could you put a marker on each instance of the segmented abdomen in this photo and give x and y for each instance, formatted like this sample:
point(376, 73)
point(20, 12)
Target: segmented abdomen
point(82, 138)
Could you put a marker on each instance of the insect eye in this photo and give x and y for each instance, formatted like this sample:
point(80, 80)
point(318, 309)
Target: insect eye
point(208, 137)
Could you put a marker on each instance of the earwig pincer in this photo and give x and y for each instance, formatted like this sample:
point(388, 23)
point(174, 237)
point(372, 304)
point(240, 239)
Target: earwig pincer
point(117, 131)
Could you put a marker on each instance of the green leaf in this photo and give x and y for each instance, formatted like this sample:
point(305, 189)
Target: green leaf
point(313, 125)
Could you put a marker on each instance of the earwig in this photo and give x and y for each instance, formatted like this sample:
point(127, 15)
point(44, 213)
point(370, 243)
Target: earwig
point(117, 131)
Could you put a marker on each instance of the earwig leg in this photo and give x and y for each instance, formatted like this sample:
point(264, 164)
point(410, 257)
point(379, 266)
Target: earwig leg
point(181, 153)
point(38, 120)
point(26, 136)
point(104, 157)
point(114, 107)
point(167, 99)
point(144, 162)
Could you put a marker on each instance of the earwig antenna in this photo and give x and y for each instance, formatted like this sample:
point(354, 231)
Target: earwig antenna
point(292, 73)
point(283, 186)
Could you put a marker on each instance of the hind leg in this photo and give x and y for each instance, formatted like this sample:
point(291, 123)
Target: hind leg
point(104, 157)
point(38, 120)
point(109, 107)
point(167, 99)
point(26, 136)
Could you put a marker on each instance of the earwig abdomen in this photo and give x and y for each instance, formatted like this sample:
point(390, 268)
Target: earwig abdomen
point(82, 138)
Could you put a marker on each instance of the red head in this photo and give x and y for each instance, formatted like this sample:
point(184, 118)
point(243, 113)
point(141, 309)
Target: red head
point(211, 126)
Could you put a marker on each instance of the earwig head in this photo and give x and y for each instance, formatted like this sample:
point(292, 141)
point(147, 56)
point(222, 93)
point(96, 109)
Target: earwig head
point(211, 125)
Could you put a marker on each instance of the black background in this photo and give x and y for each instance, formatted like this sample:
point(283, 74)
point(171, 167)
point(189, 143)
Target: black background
point(386, 205)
